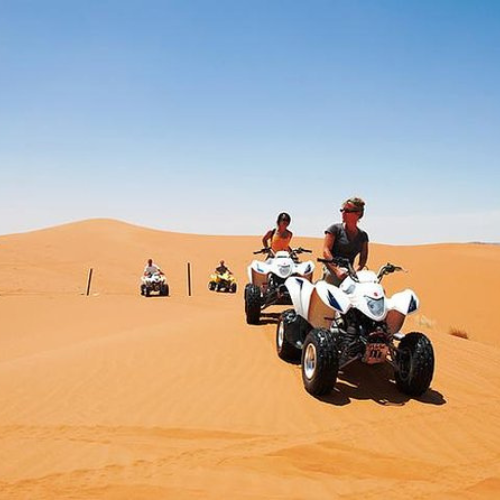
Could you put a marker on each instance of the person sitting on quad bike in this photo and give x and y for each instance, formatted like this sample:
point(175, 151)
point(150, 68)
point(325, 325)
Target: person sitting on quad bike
point(279, 237)
point(222, 268)
point(345, 240)
point(222, 279)
point(151, 269)
point(153, 280)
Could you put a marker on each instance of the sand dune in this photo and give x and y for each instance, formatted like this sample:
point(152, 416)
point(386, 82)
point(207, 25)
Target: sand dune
point(114, 396)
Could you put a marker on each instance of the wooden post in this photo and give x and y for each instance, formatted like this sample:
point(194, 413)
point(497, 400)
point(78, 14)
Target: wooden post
point(189, 278)
point(89, 279)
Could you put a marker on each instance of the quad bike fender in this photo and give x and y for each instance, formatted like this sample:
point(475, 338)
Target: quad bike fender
point(405, 302)
point(333, 297)
point(305, 269)
point(325, 303)
point(300, 290)
point(257, 273)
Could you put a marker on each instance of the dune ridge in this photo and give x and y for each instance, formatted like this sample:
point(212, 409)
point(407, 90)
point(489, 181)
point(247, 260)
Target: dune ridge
point(115, 396)
point(453, 280)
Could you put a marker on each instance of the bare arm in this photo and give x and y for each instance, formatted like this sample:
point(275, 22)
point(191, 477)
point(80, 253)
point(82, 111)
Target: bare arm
point(363, 256)
point(327, 254)
point(327, 244)
point(266, 238)
point(289, 246)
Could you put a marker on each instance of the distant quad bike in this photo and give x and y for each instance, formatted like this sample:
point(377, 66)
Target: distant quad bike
point(330, 327)
point(154, 283)
point(222, 282)
point(267, 280)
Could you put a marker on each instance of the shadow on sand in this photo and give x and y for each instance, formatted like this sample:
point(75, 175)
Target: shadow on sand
point(359, 381)
point(269, 318)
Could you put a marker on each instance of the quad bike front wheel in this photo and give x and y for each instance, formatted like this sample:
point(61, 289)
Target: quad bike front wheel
point(164, 290)
point(212, 285)
point(415, 364)
point(253, 302)
point(233, 287)
point(320, 362)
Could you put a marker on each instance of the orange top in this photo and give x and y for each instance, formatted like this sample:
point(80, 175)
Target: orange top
point(280, 242)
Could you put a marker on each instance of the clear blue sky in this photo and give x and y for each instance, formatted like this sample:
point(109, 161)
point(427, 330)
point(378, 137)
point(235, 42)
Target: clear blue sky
point(213, 116)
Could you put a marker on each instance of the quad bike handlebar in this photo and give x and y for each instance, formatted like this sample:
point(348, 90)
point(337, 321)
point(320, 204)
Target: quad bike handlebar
point(389, 269)
point(343, 262)
point(338, 261)
point(268, 250)
point(263, 250)
point(301, 250)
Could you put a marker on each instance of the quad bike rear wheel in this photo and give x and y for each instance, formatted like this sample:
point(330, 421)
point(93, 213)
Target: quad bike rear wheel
point(415, 364)
point(232, 288)
point(212, 285)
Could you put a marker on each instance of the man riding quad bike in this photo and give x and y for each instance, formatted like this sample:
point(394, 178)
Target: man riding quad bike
point(153, 280)
point(222, 279)
point(267, 280)
point(224, 282)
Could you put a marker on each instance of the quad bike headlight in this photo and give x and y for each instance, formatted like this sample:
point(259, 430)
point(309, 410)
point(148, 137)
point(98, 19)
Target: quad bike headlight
point(285, 270)
point(376, 306)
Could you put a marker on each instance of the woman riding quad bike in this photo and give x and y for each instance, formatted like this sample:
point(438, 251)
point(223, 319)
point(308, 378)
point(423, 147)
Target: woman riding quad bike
point(266, 285)
point(330, 327)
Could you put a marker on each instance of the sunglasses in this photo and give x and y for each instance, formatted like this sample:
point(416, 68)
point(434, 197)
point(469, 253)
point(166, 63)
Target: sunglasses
point(349, 210)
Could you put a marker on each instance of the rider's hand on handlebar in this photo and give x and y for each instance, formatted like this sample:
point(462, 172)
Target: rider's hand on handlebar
point(340, 272)
point(263, 250)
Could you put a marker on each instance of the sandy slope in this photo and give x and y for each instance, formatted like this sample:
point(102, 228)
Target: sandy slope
point(115, 396)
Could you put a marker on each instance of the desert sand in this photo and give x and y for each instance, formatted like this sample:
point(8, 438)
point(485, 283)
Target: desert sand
point(115, 396)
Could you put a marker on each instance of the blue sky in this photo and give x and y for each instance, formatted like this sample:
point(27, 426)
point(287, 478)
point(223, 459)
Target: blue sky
point(213, 116)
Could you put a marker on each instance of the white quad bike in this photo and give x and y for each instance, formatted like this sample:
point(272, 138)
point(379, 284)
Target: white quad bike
point(155, 282)
point(266, 285)
point(331, 327)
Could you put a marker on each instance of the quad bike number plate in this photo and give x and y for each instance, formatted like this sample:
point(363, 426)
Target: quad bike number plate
point(375, 353)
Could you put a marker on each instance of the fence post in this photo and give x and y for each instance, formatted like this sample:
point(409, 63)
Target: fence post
point(89, 279)
point(189, 278)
